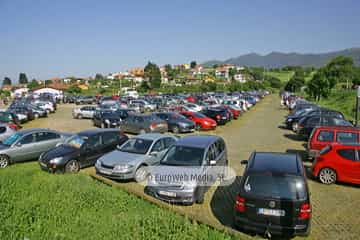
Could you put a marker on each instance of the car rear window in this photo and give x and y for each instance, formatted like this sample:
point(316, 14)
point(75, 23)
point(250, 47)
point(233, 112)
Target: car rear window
point(275, 186)
point(347, 137)
point(325, 136)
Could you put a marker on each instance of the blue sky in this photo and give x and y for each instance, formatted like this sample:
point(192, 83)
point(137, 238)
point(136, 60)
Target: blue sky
point(82, 37)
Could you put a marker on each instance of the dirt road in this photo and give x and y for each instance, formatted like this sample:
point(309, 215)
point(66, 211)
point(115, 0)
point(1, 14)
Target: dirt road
point(336, 208)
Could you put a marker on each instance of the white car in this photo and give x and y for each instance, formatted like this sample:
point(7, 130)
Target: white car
point(192, 107)
point(46, 106)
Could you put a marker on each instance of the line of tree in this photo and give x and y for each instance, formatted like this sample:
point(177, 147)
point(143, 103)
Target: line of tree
point(152, 75)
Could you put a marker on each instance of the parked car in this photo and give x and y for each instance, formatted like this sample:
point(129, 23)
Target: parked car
point(84, 112)
point(201, 121)
point(292, 122)
point(28, 145)
point(144, 105)
point(220, 116)
point(124, 112)
point(6, 131)
point(307, 124)
point(9, 117)
point(273, 198)
point(177, 123)
point(325, 135)
point(106, 119)
point(85, 100)
point(338, 163)
point(192, 153)
point(235, 111)
point(129, 160)
point(81, 150)
point(192, 107)
point(22, 110)
point(143, 123)
point(46, 106)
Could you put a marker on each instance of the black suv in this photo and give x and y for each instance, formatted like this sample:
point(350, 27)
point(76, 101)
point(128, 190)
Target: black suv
point(221, 116)
point(274, 197)
point(106, 119)
point(81, 150)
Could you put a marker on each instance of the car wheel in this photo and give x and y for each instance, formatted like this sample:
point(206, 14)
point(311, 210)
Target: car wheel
point(198, 126)
point(142, 131)
point(72, 166)
point(294, 126)
point(175, 129)
point(199, 195)
point(4, 161)
point(141, 174)
point(36, 115)
point(79, 116)
point(327, 176)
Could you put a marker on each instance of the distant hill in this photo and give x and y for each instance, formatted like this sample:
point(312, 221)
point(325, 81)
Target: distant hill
point(278, 59)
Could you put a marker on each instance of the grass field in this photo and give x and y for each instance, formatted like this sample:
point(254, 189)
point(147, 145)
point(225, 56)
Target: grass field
point(284, 76)
point(37, 205)
point(343, 101)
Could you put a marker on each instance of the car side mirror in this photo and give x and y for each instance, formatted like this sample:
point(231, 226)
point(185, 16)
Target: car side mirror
point(212, 162)
point(154, 154)
point(244, 162)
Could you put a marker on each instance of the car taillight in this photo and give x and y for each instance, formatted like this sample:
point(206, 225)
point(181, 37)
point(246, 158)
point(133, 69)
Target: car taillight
point(218, 116)
point(305, 211)
point(240, 204)
point(13, 126)
point(153, 125)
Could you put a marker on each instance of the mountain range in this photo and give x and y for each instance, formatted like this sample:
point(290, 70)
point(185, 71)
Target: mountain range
point(278, 59)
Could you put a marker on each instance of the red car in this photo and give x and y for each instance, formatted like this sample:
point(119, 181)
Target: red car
point(325, 135)
point(201, 121)
point(235, 112)
point(338, 162)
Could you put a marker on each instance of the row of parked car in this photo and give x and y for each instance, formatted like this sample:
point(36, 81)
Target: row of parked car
point(187, 115)
point(333, 142)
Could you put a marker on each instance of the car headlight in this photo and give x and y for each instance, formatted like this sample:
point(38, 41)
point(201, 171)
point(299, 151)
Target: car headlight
point(55, 160)
point(123, 168)
point(289, 120)
point(206, 122)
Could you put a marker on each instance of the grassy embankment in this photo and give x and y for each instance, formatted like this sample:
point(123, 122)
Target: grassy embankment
point(38, 205)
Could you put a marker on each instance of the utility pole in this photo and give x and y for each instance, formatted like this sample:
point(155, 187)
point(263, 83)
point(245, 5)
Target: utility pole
point(357, 107)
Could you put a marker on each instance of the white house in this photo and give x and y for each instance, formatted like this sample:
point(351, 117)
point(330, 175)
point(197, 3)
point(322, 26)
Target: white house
point(52, 91)
point(240, 78)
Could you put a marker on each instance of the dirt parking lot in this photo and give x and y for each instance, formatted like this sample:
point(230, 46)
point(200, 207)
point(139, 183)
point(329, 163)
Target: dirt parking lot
point(336, 208)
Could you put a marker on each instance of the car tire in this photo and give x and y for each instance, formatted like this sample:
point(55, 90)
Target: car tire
point(141, 174)
point(142, 131)
point(175, 129)
point(327, 176)
point(199, 195)
point(79, 116)
point(36, 116)
point(72, 166)
point(4, 161)
point(198, 127)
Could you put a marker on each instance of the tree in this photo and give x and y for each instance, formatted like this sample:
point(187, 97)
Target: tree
point(99, 77)
point(232, 72)
point(274, 82)
point(144, 87)
point(6, 81)
point(48, 82)
point(320, 85)
point(23, 79)
point(296, 82)
point(74, 89)
point(340, 69)
point(193, 64)
point(33, 84)
point(153, 75)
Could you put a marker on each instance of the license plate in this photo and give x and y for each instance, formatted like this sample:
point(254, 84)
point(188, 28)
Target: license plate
point(169, 194)
point(271, 212)
point(223, 117)
point(106, 172)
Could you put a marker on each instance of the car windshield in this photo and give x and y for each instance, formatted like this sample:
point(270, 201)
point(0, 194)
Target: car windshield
point(10, 140)
point(136, 145)
point(275, 186)
point(76, 141)
point(183, 156)
point(199, 115)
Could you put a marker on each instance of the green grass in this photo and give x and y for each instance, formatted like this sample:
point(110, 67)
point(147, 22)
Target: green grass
point(284, 76)
point(341, 100)
point(38, 205)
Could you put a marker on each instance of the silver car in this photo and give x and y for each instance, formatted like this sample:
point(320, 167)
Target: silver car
point(84, 112)
point(130, 160)
point(28, 145)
